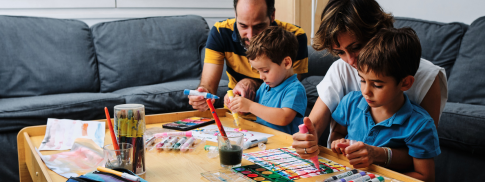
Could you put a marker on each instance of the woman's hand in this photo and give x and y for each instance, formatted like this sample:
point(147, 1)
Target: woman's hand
point(361, 155)
point(306, 142)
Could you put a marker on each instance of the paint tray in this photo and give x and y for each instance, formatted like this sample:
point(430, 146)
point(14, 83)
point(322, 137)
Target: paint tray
point(189, 123)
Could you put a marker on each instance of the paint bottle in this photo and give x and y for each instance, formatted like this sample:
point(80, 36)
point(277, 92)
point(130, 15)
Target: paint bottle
point(179, 143)
point(213, 151)
point(197, 93)
point(254, 142)
point(187, 144)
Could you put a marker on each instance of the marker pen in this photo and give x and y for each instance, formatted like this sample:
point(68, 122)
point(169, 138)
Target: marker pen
point(304, 129)
point(187, 144)
point(179, 143)
point(197, 93)
point(163, 142)
point(342, 175)
point(364, 178)
point(354, 176)
point(180, 134)
point(254, 142)
point(169, 144)
point(235, 115)
point(378, 179)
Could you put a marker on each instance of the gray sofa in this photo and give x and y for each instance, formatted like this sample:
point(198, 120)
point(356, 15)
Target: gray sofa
point(460, 49)
point(53, 68)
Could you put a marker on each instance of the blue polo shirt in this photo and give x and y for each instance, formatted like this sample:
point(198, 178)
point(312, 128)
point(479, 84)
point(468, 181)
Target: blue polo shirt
point(290, 94)
point(410, 126)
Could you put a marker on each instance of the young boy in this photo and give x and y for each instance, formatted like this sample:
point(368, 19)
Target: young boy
point(280, 102)
point(381, 115)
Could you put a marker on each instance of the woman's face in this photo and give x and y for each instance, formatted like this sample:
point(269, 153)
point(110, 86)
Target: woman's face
point(349, 48)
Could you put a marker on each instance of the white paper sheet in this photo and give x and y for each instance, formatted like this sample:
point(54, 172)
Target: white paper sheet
point(61, 133)
point(209, 133)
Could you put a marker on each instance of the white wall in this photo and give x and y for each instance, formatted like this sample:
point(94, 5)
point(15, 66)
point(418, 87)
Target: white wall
point(95, 11)
point(436, 10)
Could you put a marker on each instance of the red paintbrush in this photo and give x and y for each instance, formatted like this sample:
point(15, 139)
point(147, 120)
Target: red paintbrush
point(113, 137)
point(218, 123)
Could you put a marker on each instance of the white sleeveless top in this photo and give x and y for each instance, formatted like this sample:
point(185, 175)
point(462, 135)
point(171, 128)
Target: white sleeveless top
point(341, 78)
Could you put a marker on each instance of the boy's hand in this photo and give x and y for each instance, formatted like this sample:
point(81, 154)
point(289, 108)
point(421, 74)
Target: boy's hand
point(227, 101)
point(360, 155)
point(338, 146)
point(240, 104)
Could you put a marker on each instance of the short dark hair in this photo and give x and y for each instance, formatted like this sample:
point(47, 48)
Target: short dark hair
point(274, 42)
point(392, 52)
point(269, 4)
point(362, 18)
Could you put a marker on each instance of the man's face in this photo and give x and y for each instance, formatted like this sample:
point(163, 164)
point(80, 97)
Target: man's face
point(251, 19)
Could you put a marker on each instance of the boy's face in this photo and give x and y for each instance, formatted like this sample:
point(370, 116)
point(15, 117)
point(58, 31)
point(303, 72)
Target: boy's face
point(379, 90)
point(270, 72)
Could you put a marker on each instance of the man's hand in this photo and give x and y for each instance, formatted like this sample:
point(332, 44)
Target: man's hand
point(240, 104)
point(338, 146)
point(361, 155)
point(306, 141)
point(246, 88)
point(198, 102)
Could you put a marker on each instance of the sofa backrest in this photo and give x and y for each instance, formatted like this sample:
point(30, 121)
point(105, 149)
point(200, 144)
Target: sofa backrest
point(147, 51)
point(41, 56)
point(467, 80)
point(440, 42)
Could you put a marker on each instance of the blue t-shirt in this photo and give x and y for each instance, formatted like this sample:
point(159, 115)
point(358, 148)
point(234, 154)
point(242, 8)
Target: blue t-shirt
point(290, 94)
point(410, 126)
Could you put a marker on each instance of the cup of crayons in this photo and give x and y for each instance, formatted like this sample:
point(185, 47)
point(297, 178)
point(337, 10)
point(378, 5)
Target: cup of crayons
point(177, 141)
point(129, 127)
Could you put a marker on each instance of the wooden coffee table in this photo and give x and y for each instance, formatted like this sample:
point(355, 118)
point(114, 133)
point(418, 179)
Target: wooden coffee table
point(173, 166)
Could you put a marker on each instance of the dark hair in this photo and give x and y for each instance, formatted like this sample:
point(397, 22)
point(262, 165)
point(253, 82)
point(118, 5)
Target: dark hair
point(274, 42)
point(392, 52)
point(269, 7)
point(362, 18)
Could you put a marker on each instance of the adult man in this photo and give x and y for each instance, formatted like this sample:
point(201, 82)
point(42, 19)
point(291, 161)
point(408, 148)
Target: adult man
point(229, 40)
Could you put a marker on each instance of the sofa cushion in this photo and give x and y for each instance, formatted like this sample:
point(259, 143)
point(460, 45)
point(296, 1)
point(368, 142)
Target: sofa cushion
point(467, 80)
point(455, 165)
point(440, 42)
point(461, 126)
point(167, 97)
point(147, 51)
point(41, 56)
point(318, 62)
point(16, 113)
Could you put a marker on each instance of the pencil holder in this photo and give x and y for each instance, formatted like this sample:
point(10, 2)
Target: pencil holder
point(129, 127)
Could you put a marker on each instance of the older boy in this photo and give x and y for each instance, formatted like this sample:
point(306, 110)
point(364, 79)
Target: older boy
point(381, 115)
point(280, 102)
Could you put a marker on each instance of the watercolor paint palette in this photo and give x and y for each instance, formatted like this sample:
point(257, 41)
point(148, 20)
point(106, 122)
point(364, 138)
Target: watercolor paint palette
point(189, 123)
point(289, 164)
point(258, 173)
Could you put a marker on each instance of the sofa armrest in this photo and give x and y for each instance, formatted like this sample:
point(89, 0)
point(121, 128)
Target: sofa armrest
point(462, 127)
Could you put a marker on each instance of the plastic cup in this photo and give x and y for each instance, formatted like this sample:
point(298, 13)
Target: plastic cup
point(121, 158)
point(230, 156)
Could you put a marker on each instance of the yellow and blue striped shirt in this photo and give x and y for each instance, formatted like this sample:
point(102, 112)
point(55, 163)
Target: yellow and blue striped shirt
point(223, 42)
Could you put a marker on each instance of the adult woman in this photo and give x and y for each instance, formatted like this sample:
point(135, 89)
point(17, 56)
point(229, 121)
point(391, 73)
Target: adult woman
point(346, 26)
